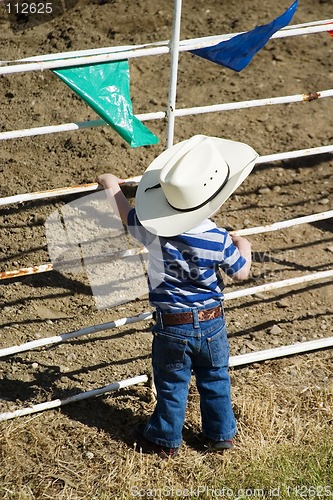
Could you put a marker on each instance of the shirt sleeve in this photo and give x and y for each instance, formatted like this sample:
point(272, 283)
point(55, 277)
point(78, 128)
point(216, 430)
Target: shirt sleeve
point(137, 230)
point(233, 261)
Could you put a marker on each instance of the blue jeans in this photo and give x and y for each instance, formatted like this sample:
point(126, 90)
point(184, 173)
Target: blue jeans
point(177, 350)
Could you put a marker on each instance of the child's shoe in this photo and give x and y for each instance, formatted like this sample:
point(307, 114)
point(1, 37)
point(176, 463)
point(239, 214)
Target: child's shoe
point(219, 446)
point(149, 447)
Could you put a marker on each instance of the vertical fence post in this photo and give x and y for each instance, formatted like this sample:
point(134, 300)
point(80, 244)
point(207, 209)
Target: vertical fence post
point(173, 71)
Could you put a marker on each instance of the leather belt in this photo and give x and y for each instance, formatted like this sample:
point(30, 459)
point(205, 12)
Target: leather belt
point(187, 317)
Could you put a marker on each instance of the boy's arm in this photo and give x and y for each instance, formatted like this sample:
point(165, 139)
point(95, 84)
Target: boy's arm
point(119, 202)
point(244, 247)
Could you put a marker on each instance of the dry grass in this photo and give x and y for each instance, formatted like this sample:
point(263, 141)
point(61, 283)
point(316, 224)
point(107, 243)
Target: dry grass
point(284, 441)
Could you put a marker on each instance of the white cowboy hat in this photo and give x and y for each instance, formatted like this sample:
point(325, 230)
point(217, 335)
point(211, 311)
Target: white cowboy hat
point(188, 182)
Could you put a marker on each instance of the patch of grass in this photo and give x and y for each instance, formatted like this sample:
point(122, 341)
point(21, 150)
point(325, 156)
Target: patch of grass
point(286, 471)
point(283, 448)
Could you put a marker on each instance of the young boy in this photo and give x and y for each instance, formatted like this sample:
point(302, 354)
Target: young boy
point(177, 194)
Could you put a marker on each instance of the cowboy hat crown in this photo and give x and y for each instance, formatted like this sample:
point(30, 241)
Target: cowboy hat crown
point(194, 174)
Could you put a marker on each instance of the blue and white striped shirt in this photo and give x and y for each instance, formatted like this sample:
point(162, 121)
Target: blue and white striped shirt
point(183, 270)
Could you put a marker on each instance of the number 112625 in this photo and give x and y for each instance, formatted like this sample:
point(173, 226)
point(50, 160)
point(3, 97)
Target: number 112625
point(29, 8)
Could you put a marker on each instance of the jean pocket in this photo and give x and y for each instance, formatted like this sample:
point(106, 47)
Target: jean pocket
point(218, 348)
point(168, 352)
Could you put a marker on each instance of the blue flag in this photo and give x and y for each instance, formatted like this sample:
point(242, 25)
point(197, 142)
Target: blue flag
point(238, 52)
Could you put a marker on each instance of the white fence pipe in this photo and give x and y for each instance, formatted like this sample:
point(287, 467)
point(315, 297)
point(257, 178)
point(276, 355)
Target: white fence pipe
point(287, 31)
point(148, 315)
point(267, 287)
point(145, 50)
point(39, 195)
point(295, 154)
point(122, 48)
point(270, 101)
point(56, 403)
point(311, 23)
point(70, 264)
point(292, 31)
point(276, 226)
point(234, 361)
point(279, 352)
point(65, 127)
point(26, 271)
point(57, 339)
point(49, 129)
point(51, 193)
point(42, 268)
point(84, 53)
point(173, 72)
point(81, 61)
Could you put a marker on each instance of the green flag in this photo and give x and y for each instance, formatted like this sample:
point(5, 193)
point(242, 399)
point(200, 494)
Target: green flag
point(106, 88)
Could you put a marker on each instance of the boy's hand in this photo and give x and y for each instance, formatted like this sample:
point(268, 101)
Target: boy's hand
point(239, 240)
point(109, 180)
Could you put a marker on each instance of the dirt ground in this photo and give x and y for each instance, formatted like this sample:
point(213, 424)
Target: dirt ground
point(53, 303)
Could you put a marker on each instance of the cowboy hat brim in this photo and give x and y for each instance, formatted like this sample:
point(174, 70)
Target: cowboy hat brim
point(152, 207)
